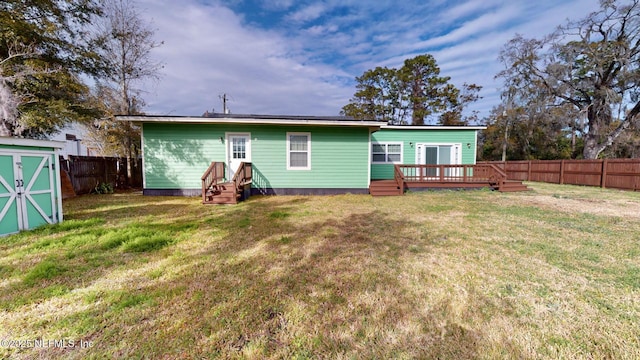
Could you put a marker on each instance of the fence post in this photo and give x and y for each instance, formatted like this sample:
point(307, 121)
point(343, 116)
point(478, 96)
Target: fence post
point(561, 172)
point(603, 173)
point(71, 169)
point(529, 171)
point(635, 182)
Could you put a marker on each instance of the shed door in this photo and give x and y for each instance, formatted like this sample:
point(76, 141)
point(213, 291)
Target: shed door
point(10, 215)
point(37, 186)
point(27, 192)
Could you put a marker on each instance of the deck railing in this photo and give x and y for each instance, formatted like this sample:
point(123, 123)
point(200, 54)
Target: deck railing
point(243, 175)
point(399, 177)
point(479, 173)
point(212, 176)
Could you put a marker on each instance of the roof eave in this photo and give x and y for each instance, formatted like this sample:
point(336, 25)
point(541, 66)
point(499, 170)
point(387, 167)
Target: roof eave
point(433, 127)
point(246, 121)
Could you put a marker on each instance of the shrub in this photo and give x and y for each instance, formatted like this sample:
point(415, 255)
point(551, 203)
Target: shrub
point(103, 188)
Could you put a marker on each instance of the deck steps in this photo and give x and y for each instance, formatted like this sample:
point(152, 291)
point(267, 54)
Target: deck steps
point(512, 186)
point(223, 193)
point(216, 191)
point(385, 188)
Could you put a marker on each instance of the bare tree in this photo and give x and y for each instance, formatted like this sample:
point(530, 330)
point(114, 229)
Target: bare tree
point(592, 64)
point(126, 43)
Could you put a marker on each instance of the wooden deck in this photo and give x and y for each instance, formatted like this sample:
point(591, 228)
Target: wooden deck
point(445, 177)
point(217, 191)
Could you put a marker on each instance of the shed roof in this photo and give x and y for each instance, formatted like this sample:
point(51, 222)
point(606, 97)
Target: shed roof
point(31, 142)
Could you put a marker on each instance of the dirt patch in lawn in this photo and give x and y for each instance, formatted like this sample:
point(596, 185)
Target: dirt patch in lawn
point(602, 207)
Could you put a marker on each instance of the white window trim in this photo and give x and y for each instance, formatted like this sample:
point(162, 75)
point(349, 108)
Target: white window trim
point(308, 167)
point(386, 143)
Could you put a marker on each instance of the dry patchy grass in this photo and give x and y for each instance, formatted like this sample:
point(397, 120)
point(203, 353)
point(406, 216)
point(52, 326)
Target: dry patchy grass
point(553, 273)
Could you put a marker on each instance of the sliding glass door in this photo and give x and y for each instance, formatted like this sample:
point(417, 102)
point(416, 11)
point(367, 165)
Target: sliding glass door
point(437, 154)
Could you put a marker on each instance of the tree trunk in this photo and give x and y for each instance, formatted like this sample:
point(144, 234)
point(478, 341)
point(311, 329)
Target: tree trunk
point(598, 115)
point(506, 140)
point(594, 143)
point(4, 128)
point(591, 147)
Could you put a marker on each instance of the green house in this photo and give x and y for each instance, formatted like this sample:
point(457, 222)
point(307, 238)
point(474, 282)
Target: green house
point(30, 193)
point(290, 154)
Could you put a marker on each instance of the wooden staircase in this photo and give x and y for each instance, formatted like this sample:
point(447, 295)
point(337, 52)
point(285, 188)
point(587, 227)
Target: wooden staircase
point(385, 188)
point(216, 191)
point(511, 186)
point(223, 193)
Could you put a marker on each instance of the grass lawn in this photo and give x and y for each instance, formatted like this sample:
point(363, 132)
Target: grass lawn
point(551, 273)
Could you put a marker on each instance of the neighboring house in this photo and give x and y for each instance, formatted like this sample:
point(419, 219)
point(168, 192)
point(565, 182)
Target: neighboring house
point(74, 137)
point(290, 154)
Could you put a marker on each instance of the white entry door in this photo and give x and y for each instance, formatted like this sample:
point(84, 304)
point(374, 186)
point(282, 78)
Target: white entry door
point(238, 150)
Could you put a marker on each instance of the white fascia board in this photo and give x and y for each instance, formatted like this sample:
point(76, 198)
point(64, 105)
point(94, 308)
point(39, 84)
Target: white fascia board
point(433, 127)
point(253, 121)
point(31, 142)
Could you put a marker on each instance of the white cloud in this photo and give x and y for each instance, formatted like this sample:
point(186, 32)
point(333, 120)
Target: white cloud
point(319, 30)
point(277, 4)
point(209, 51)
point(307, 63)
point(473, 28)
point(469, 8)
point(308, 13)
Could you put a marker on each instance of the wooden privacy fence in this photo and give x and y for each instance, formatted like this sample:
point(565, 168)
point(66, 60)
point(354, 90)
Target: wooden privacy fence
point(86, 172)
point(607, 173)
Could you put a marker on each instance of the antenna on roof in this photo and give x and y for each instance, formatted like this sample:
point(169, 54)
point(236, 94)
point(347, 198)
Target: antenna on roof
point(225, 109)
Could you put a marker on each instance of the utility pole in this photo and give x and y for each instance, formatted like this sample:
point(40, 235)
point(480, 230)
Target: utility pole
point(225, 109)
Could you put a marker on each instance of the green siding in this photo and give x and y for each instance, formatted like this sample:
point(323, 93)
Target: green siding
point(176, 155)
point(434, 136)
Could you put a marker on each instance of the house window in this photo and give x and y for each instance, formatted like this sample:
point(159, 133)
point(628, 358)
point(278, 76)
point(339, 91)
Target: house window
point(386, 153)
point(239, 148)
point(298, 151)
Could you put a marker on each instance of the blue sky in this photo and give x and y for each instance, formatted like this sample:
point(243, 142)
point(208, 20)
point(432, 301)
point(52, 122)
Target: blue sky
point(301, 57)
